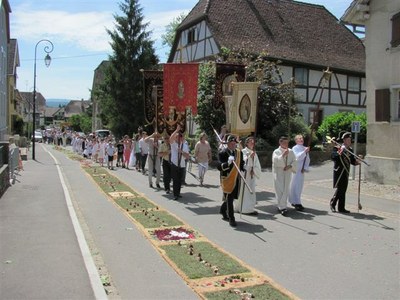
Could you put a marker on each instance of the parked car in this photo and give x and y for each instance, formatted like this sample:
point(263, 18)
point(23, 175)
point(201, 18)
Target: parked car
point(102, 133)
point(38, 136)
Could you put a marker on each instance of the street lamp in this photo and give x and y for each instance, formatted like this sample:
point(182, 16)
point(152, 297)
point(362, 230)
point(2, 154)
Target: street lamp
point(47, 60)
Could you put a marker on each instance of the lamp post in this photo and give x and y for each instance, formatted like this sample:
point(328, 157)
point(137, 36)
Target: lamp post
point(47, 60)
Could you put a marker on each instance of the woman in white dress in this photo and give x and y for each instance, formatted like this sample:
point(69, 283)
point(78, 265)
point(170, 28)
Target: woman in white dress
point(102, 152)
point(246, 200)
point(95, 151)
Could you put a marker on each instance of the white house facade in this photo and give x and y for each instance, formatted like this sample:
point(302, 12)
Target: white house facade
point(381, 20)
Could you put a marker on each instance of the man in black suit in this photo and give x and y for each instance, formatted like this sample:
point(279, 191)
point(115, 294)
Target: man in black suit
point(230, 177)
point(342, 161)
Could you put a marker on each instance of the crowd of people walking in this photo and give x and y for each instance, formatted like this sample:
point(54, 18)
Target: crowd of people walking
point(165, 158)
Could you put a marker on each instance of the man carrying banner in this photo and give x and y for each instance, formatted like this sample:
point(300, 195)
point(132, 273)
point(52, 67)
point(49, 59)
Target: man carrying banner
point(153, 160)
point(179, 152)
point(230, 164)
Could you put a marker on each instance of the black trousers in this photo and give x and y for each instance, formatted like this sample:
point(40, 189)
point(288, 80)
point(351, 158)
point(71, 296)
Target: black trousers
point(227, 206)
point(143, 162)
point(166, 166)
point(340, 194)
point(176, 174)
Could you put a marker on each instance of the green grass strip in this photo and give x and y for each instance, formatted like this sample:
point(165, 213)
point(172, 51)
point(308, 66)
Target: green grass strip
point(264, 291)
point(155, 219)
point(212, 259)
point(137, 203)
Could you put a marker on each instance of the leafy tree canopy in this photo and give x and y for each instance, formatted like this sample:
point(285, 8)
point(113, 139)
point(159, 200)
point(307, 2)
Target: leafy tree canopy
point(121, 94)
point(341, 122)
point(170, 30)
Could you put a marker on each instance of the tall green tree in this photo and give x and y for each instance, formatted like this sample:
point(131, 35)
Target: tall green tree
point(170, 31)
point(122, 92)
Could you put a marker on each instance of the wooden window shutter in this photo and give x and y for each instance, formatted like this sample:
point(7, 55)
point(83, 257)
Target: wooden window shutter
point(395, 30)
point(382, 105)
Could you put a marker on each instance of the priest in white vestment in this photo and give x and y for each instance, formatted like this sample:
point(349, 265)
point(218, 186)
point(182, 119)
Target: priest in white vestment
point(283, 164)
point(246, 200)
point(303, 163)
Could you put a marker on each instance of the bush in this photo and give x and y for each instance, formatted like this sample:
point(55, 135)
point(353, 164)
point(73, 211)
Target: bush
point(340, 122)
point(297, 126)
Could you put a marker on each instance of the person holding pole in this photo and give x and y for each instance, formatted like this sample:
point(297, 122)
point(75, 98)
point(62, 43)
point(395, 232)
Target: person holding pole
point(247, 201)
point(283, 164)
point(179, 152)
point(297, 182)
point(230, 164)
point(153, 159)
point(342, 157)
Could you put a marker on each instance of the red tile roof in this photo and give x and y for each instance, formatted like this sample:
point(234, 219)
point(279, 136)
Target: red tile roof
point(287, 30)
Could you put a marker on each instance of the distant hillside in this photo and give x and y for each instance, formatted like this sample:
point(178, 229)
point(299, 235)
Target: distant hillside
point(56, 102)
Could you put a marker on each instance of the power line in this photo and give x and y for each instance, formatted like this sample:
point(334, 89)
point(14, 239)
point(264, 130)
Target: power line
point(68, 57)
point(87, 55)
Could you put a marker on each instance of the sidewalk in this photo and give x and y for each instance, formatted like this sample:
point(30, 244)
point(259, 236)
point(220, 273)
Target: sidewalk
point(315, 254)
point(39, 251)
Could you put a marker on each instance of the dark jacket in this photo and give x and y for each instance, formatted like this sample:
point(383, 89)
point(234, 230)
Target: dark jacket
point(225, 168)
point(342, 164)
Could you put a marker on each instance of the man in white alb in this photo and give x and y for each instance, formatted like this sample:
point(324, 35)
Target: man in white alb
point(283, 164)
point(303, 163)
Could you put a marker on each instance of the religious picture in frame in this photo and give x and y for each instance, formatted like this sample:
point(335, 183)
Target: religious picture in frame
point(243, 107)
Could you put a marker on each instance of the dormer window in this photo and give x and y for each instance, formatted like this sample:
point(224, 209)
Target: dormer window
point(191, 36)
point(395, 30)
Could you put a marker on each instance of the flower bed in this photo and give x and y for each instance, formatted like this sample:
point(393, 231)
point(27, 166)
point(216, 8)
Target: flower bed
point(173, 234)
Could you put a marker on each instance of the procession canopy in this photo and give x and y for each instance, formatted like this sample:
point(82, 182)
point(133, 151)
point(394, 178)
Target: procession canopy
point(225, 75)
point(180, 87)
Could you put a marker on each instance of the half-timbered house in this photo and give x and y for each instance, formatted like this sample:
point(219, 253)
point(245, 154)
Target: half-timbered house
point(304, 38)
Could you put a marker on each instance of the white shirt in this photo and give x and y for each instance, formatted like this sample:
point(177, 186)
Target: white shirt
point(144, 147)
point(174, 153)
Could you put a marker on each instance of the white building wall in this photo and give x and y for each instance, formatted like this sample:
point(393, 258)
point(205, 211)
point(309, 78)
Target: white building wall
point(3, 74)
point(203, 47)
point(334, 95)
point(383, 72)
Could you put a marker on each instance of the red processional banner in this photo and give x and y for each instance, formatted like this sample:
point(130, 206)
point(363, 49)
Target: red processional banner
point(180, 87)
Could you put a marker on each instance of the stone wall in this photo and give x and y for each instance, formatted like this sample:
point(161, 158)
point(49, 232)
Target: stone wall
point(4, 168)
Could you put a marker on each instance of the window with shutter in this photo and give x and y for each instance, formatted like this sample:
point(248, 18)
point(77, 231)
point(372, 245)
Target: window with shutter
point(395, 30)
point(382, 105)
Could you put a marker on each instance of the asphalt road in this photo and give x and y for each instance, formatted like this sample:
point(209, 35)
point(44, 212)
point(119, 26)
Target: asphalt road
point(315, 254)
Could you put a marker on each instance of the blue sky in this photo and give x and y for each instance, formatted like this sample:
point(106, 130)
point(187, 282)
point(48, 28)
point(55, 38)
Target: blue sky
point(77, 29)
